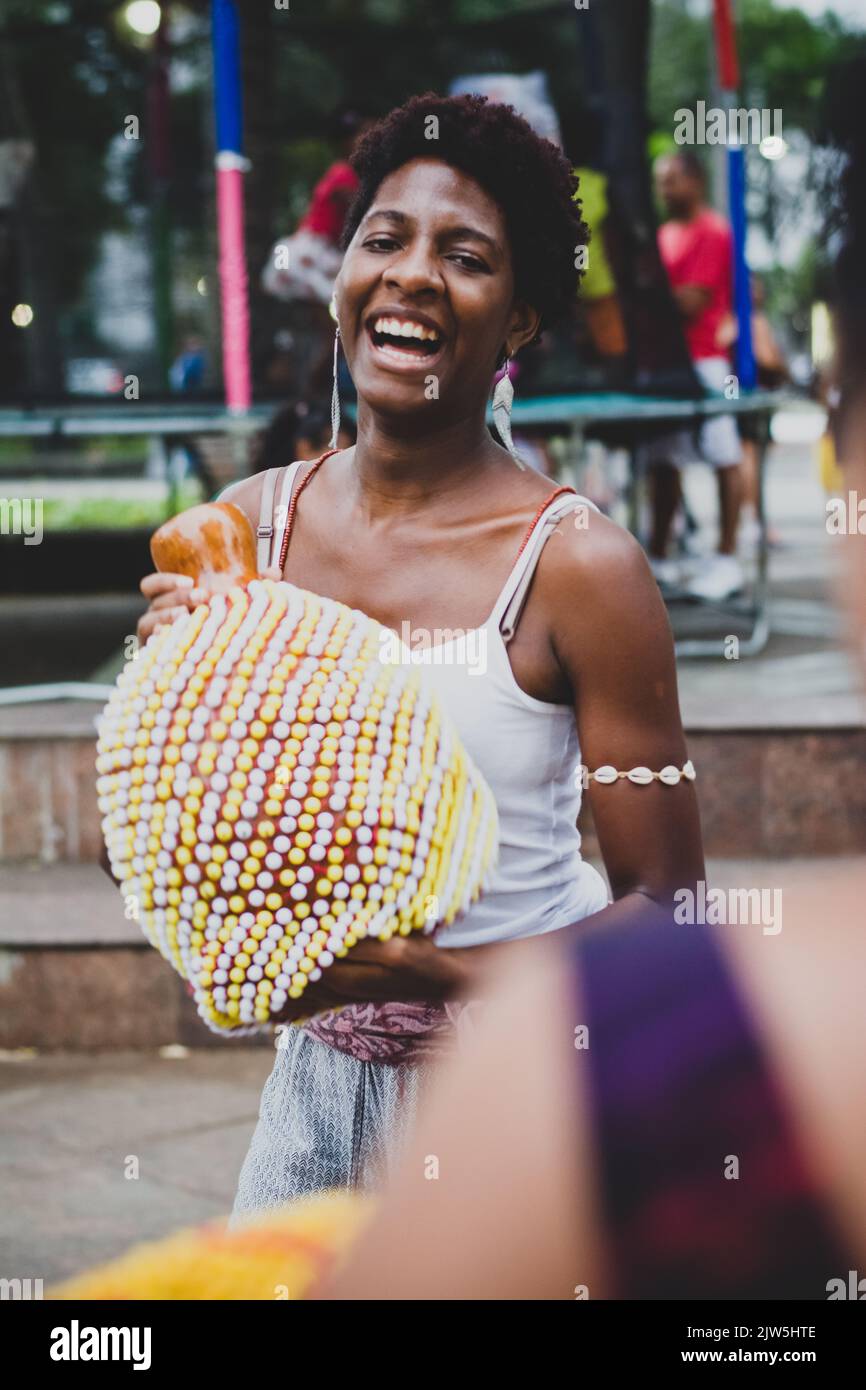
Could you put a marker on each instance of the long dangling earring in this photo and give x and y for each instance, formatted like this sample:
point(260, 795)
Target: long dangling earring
point(335, 395)
point(503, 398)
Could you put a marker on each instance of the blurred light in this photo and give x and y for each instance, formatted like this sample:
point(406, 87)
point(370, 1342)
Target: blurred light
point(773, 147)
point(201, 285)
point(22, 315)
point(803, 425)
point(143, 16)
point(822, 334)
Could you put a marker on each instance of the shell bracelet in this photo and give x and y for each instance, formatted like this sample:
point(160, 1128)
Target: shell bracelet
point(642, 776)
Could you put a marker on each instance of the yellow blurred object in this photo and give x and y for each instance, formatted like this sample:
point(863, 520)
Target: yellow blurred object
point(598, 280)
point(831, 475)
point(276, 1255)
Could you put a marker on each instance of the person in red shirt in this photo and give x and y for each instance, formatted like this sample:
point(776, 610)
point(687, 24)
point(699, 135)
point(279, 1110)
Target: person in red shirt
point(696, 249)
point(304, 265)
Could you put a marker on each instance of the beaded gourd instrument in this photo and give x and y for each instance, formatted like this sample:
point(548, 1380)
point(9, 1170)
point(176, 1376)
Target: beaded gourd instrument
point(272, 791)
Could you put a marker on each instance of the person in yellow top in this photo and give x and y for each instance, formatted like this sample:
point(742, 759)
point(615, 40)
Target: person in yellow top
point(598, 287)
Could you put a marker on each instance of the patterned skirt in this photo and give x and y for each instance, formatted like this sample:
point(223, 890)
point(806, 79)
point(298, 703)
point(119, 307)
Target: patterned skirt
point(326, 1120)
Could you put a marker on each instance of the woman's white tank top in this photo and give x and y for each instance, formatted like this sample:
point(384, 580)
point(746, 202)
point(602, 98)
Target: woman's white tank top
point(528, 750)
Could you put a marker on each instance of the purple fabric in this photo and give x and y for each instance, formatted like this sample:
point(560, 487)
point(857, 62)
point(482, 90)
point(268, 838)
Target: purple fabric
point(679, 1090)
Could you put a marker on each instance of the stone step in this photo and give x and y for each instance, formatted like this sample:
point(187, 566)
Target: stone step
point(776, 776)
point(74, 973)
point(76, 976)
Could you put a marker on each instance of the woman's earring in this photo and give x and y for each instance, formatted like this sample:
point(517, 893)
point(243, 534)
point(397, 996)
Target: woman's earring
point(503, 398)
point(335, 395)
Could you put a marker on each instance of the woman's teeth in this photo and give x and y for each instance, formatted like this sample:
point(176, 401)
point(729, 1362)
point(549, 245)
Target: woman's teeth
point(397, 328)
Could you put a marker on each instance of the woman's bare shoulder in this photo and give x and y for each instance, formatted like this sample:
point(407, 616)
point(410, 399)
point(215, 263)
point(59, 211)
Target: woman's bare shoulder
point(592, 553)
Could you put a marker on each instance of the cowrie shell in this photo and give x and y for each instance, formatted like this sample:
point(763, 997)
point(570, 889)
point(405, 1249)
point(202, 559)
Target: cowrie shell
point(689, 770)
point(606, 774)
point(641, 776)
point(670, 775)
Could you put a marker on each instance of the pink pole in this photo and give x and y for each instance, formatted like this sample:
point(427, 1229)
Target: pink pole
point(233, 281)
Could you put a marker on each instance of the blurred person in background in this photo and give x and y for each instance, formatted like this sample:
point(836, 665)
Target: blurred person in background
point(772, 372)
point(696, 250)
point(303, 266)
point(298, 431)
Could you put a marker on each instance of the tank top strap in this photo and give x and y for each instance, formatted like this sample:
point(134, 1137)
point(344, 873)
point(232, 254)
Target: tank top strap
point(273, 514)
point(265, 528)
point(509, 605)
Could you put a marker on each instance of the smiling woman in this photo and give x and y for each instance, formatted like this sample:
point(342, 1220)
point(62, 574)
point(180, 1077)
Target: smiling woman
point(459, 249)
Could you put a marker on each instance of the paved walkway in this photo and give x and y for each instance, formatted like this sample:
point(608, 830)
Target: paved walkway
point(74, 1125)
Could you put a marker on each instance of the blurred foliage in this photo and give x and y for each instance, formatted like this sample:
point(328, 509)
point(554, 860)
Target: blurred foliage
point(113, 513)
point(784, 59)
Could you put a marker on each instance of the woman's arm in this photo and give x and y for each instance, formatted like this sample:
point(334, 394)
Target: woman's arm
point(612, 639)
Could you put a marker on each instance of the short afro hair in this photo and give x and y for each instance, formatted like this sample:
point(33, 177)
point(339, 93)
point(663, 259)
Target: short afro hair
point(529, 177)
